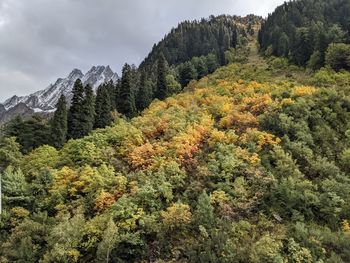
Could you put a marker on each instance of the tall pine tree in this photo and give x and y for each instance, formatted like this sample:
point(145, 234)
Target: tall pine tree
point(59, 123)
point(144, 95)
point(117, 98)
point(161, 88)
point(187, 72)
point(127, 96)
point(88, 116)
point(76, 112)
point(112, 92)
point(103, 116)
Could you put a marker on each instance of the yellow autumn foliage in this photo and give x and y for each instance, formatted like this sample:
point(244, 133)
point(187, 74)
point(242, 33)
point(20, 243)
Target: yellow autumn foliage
point(303, 91)
point(345, 226)
point(176, 216)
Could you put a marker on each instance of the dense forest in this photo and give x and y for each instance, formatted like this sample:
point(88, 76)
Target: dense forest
point(303, 31)
point(194, 39)
point(188, 158)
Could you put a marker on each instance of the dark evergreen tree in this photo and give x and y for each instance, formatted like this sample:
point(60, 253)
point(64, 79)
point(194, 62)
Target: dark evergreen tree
point(302, 48)
point(187, 72)
point(76, 112)
point(112, 92)
point(201, 66)
point(88, 117)
point(30, 133)
point(59, 123)
point(144, 95)
point(224, 44)
point(338, 56)
point(117, 97)
point(127, 96)
point(161, 88)
point(14, 126)
point(212, 63)
point(103, 108)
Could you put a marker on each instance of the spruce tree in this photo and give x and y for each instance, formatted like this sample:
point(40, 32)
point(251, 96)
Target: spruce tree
point(161, 88)
point(212, 63)
point(201, 68)
point(117, 97)
point(76, 112)
point(59, 123)
point(127, 96)
point(187, 73)
point(112, 94)
point(103, 108)
point(35, 132)
point(14, 126)
point(144, 95)
point(88, 117)
point(15, 189)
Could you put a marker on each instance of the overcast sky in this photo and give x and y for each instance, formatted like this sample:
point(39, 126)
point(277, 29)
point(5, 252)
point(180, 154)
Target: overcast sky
point(41, 40)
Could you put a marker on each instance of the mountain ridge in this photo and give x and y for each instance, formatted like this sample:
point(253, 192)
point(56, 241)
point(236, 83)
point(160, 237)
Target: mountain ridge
point(45, 100)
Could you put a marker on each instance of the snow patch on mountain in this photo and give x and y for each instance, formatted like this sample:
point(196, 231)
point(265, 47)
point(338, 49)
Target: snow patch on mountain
point(46, 100)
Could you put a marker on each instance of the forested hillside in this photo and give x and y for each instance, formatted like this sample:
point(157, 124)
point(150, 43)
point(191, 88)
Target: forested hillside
point(206, 154)
point(249, 164)
point(303, 31)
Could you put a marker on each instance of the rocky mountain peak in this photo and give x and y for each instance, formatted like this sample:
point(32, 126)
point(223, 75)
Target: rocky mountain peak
point(46, 99)
point(75, 74)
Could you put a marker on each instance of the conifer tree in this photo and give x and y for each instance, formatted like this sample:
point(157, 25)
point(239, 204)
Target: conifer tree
point(75, 112)
point(212, 63)
point(103, 107)
point(15, 189)
point(144, 95)
point(117, 97)
point(222, 45)
point(14, 126)
point(201, 68)
point(88, 116)
point(161, 88)
point(59, 123)
point(187, 73)
point(34, 133)
point(112, 94)
point(30, 133)
point(127, 96)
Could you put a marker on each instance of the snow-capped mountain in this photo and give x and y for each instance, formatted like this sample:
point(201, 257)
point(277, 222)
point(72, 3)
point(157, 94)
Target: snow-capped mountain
point(46, 100)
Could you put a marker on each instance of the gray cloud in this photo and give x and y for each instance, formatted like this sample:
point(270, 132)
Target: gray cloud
point(41, 40)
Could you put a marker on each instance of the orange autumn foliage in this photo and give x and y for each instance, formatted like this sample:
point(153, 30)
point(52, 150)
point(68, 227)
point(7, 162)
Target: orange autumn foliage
point(240, 120)
point(187, 143)
point(142, 156)
point(256, 104)
point(103, 201)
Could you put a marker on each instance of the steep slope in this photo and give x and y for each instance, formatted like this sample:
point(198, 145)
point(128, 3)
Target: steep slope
point(46, 100)
point(249, 164)
point(189, 39)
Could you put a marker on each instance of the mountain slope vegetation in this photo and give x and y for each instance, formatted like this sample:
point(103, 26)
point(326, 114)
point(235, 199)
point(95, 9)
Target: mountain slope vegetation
point(212, 154)
point(303, 30)
point(248, 164)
